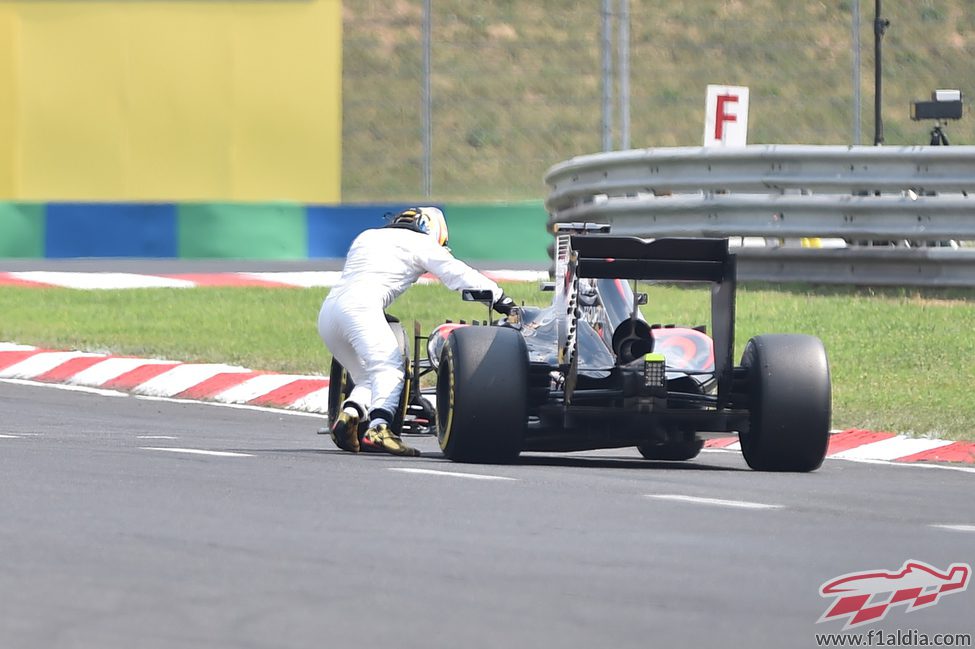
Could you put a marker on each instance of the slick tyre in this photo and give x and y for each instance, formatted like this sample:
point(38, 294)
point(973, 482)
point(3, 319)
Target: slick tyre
point(339, 387)
point(482, 386)
point(789, 399)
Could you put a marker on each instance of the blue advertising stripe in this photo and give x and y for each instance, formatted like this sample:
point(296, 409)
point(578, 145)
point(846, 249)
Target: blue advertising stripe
point(331, 228)
point(481, 231)
point(110, 230)
point(478, 231)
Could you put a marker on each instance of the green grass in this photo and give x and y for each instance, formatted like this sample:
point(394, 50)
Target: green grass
point(516, 86)
point(900, 360)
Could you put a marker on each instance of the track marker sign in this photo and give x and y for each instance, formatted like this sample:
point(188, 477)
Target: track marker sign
point(726, 116)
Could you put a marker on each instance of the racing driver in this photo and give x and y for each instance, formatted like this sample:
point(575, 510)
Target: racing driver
point(381, 264)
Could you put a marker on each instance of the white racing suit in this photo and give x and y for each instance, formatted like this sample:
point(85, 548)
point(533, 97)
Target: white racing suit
point(381, 264)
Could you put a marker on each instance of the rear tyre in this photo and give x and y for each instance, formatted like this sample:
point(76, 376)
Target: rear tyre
point(339, 387)
point(340, 384)
point(789, 402)
point(482, 395)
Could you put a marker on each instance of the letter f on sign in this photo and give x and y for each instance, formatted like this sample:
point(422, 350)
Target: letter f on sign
point(723, 116)
point(726, 116)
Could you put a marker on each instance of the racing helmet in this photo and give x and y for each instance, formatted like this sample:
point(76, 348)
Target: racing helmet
point(429, 220)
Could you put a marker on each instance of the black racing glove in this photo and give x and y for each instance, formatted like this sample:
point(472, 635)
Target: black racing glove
point(504, 305)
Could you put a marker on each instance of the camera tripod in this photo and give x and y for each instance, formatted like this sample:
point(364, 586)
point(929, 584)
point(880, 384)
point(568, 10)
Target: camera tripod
point(938, 136)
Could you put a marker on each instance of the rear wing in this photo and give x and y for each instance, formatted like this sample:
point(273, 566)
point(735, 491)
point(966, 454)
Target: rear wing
point(672, 260)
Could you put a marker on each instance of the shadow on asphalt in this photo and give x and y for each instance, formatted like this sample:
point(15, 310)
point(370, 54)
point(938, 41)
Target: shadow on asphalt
point(620, 463)
point(524, 460)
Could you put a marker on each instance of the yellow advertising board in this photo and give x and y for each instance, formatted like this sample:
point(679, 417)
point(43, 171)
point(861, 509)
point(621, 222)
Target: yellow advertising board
point(170, 100)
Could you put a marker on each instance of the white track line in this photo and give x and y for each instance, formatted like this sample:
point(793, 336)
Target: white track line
point(195, 451)
point(118, 366)
point(40, 363)
point(303, 279)
point(238, 406)
point(156, 437)
point(143, 397)
point(956, 528)
point(452, 474)
point(917, 465)
point(255, 387)
point(511, 275)
point(740, 504)
point(892, 448)
point(316, 401)
point(108, 281)
point(851, 457)
point(14, 347)
point(69, 388)
point(111, 368)
point(183, 377)
point(10, 437)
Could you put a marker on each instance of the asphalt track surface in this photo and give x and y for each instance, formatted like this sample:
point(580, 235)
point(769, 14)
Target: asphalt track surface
point(119, 529)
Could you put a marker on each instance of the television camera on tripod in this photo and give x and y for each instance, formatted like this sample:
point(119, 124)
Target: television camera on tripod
point(944, 105)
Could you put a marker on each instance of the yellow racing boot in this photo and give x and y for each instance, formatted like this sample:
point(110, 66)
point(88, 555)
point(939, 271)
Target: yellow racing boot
point(345, 432)
point(380, 439)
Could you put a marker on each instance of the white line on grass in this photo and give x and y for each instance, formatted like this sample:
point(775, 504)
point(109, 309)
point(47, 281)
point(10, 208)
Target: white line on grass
point(740, 504)
point(452, 474)
point(195, 451)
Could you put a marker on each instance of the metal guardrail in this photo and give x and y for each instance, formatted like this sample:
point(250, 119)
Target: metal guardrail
point(866, 266)
point(781, 216)
point(906, 195)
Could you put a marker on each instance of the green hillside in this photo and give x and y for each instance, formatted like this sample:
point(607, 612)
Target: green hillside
point(516, 86)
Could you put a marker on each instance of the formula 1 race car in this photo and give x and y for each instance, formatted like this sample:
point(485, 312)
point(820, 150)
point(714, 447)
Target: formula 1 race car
point(589, 372)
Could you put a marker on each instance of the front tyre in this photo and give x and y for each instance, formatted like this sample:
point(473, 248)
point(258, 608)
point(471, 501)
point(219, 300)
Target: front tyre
point(789, 402)
point(482, 395)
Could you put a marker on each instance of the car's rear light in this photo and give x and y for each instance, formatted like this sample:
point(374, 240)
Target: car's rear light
point(654, 370)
